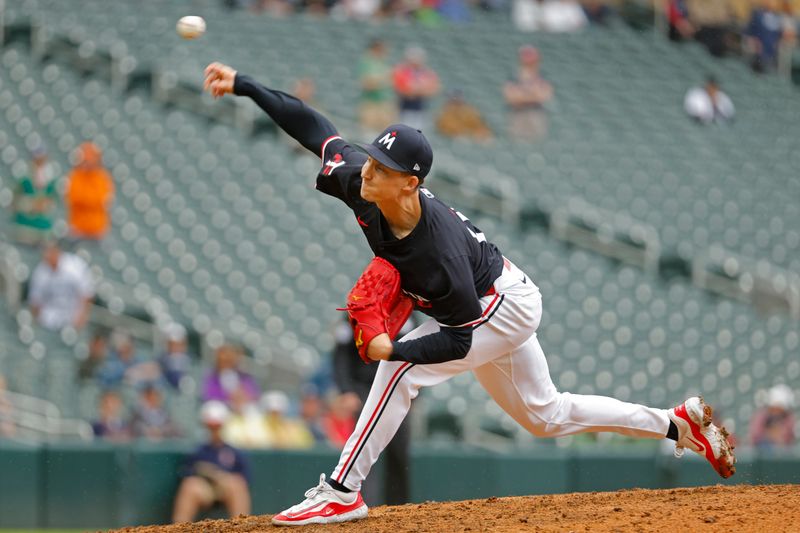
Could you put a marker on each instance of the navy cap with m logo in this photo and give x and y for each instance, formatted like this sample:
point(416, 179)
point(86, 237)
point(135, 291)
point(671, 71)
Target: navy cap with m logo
point(402, 148)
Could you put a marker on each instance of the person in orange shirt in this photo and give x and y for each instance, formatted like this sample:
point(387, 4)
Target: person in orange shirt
point(90, 192)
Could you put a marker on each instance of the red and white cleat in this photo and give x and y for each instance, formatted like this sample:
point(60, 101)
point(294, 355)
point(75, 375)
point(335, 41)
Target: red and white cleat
point(323, 505)
point(696, 432)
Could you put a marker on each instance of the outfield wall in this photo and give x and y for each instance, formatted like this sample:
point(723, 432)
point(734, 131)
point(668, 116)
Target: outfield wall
point(103, 486)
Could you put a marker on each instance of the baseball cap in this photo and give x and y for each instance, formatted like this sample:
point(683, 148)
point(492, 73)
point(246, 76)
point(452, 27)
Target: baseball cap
point(214, 413)
point(402, 148)
point(781, 396)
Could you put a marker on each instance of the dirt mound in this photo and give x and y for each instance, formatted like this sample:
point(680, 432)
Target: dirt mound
point(740, 508)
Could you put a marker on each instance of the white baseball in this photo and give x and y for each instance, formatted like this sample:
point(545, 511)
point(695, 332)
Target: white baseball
point(191, 27)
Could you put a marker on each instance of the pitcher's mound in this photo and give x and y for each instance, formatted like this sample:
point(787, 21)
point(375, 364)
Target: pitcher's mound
point(741, 508)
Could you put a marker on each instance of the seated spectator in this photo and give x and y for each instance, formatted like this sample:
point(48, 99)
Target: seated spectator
point(458, 118)
point(766, 31)
point(89, 195)
point(708, 104)
point(680, 28)
point(772, 427)
point(7, 426)
point(283, 432)
point(35, 200)
point(124, 364)
point(111, 424)
point(597, 11)
point(151, 419)
point(377, 108)
point(97, 356)
point(712, 21)
point(415, 83)
point(245, 426)
point(548, 15)
point(312, 412)
point(175, 362)
point(525, 97)
point(61, 289)
point(215, 473)
point(227, 377)
point(340, 420)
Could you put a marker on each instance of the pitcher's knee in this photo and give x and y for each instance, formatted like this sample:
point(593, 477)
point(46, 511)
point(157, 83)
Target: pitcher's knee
point(544, 417)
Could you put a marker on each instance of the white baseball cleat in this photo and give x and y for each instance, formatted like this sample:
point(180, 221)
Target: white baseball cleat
point(323, 505)
point(696, 432)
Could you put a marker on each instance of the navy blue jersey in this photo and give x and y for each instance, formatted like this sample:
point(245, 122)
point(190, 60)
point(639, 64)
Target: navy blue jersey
point(225, 457)
point(445, 263)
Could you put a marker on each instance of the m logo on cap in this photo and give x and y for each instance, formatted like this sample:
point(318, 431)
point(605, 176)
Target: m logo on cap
point(388, 139)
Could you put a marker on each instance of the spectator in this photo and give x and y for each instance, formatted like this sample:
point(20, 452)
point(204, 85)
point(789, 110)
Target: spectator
point(772, 427)
point(215, 473)
point(175, 362)
point(245, 426)
point(61, 289)
point(708, 104)
point(526, 96)
point(226, 378)
point(97, 356)
point(312, 411)
point(7, 426)
point(548, 15)
point(35, 200)
point(597, 11)
point(766, 31)
point(712, 21)
point(125, 365)
point(415, 84)
point(283, 432)
point(458, 118)
point(111, 424)
point(376, 103)
point(89, 194)
point(680, 28)
point(354, 379)
point(340, 420)
point(151, 419)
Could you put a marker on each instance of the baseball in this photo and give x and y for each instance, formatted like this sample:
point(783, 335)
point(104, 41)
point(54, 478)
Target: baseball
point(191, 27)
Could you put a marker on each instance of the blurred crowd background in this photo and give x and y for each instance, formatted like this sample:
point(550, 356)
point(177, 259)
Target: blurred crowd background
point(166, 270)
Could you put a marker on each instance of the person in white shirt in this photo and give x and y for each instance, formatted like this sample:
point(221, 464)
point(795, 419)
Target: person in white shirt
point(554, 16)
point(61, 289)
point(708, 104)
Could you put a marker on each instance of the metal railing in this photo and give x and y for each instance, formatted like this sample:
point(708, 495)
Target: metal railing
point(34, 419)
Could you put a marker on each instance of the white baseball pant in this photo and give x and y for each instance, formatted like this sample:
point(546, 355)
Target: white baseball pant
point(509, 363)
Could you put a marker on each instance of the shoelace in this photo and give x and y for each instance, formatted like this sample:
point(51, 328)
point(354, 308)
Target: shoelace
point(319, 489)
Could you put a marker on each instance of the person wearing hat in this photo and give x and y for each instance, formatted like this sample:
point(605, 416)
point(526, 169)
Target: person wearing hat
point(772, 426)
point(35, 200)
point(215, 473)
point(484, 311)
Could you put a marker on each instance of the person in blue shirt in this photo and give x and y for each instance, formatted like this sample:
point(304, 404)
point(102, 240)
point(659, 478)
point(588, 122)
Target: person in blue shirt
point(216, 473)
point(765, 32)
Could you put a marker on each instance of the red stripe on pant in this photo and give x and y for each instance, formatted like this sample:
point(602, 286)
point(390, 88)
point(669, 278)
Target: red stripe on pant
point(371, 418)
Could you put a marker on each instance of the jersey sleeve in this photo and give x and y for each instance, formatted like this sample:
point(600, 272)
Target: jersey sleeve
point(340, 175)
point(458, 311)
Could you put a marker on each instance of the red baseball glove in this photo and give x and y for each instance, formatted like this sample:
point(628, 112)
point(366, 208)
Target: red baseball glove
point(376, 305)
